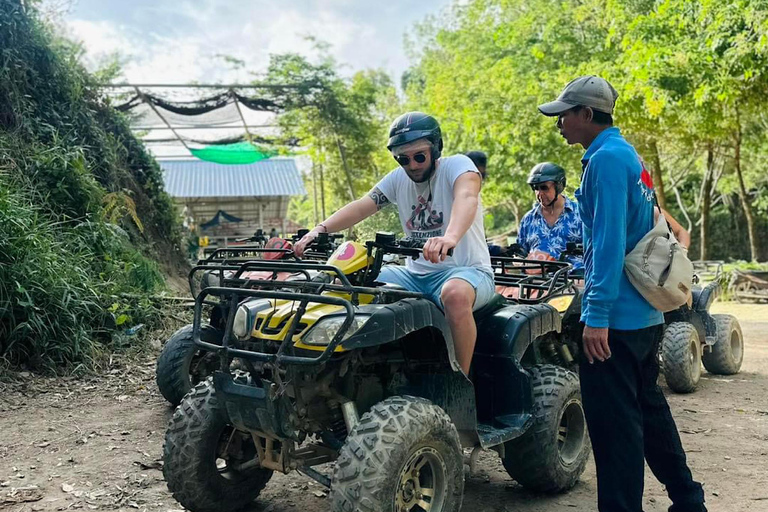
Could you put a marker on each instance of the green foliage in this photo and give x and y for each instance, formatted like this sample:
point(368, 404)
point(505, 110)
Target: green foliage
point(77, 193)
point(56, 281)
point(343, 123)
point(692, 77)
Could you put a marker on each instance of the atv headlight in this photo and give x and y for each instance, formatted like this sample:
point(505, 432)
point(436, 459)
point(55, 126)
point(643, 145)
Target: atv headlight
point(323, 331)
point(242, 326)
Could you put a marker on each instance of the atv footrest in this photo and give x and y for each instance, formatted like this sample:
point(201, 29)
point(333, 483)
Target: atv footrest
point(508, 427)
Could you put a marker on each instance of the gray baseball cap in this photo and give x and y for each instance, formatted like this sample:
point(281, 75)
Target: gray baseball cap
point(588, 91)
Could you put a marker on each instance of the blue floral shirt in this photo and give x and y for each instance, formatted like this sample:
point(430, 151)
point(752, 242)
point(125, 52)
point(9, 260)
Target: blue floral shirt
point(536, 235)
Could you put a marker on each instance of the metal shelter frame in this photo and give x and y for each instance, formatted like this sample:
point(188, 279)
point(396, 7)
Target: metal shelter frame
point(174, 129)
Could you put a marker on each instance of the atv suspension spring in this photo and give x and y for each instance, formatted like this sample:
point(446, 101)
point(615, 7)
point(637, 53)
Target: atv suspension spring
point(338, 426)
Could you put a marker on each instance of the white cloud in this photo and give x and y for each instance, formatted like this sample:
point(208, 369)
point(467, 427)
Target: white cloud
point(181, 41)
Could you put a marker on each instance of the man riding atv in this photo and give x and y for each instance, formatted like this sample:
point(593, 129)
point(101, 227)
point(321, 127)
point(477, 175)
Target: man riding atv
point(438, 199)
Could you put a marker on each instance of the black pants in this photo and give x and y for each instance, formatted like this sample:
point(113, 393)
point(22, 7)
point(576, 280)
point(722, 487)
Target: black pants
point(629, 420)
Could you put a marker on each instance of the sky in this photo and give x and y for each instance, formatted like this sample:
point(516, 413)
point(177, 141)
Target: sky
point(177, 41)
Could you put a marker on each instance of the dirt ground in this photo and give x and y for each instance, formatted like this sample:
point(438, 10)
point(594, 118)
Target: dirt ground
point(96, 444)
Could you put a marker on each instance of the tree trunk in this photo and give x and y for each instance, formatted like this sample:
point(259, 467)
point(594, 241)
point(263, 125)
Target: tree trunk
point(314, 193)
point(743, 196)
point(322, 192)
point(706, 199)
point(658, 181)
point(352, 195)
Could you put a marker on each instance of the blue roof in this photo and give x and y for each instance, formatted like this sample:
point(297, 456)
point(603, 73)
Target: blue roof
point(197, 178)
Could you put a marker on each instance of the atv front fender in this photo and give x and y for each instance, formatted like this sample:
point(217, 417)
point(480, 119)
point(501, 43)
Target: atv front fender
point(391, 322)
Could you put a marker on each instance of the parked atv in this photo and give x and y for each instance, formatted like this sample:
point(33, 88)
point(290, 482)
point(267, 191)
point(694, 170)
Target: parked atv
point(364, 375)
point(181, 364)
point(693, 337)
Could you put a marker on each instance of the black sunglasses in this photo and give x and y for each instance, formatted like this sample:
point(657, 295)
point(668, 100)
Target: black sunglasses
point(539, 186)
point(404, 160)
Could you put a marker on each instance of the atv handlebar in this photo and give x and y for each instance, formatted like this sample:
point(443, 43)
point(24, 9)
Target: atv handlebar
point(385, 243)
point(572, 249)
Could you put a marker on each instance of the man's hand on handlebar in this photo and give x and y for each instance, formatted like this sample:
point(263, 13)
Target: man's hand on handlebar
point(436, 249)
point(307, 239)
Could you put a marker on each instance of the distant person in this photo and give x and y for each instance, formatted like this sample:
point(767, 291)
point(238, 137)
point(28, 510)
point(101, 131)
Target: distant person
point(480, 160)
point(553, 221)
point(273, 233)
point(628, 418)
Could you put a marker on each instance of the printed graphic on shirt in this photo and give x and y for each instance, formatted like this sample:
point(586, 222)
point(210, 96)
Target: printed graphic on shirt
point(536, 235)
point(645, 182)
point(424, 218)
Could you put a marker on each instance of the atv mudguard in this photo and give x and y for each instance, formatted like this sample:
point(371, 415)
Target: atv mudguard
point(451, 390)
point(503, 387)
point(698, 313)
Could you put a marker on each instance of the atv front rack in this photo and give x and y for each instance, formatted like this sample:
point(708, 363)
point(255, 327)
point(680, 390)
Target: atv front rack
point(237, 289)
point(279, 358)
point(228, 254)
point(535, 280)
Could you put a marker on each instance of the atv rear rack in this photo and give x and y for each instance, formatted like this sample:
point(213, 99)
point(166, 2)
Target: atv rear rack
point(535, 280)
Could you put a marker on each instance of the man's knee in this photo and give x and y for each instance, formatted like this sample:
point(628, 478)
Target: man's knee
point(457, 295)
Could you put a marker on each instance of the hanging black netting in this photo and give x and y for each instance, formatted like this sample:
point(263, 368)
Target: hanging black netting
point(272, 141)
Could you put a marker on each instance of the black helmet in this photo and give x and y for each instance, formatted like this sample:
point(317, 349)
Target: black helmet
point(413, 126)
point(547, 171)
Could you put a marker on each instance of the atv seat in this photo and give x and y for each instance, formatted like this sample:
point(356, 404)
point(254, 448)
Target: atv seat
point(497, 302)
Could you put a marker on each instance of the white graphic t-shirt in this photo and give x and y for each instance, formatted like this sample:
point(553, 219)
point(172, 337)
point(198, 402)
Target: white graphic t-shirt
point(425, 211)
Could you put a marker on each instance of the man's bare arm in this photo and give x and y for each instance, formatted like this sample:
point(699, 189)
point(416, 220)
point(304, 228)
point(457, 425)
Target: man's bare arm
point(466, 192)
point(378, 198)
point(347, 216)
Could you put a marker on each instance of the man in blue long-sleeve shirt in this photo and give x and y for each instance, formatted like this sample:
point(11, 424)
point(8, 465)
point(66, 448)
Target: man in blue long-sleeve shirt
point(627, 415)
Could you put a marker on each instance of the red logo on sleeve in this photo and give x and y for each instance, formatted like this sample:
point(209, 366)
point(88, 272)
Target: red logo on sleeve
point(645, 177)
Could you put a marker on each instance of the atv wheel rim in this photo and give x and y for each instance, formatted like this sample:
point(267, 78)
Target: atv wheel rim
point(570, 432)
point(737, 349)
point(422, 483)
point(232, 450)
point(695, 359)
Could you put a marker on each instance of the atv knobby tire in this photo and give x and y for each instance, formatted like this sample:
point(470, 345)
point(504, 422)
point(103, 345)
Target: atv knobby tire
point(199, 474)
point(726, 355)
point(552, 454)
point(182, 364)
point(404, 451)
point(681, 357)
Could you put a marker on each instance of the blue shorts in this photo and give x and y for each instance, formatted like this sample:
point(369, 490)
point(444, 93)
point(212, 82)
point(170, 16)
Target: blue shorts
point(431, 284)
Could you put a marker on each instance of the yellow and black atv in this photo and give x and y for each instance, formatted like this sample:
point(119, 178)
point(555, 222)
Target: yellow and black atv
point(343, 369)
